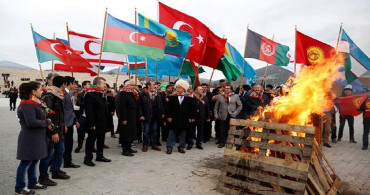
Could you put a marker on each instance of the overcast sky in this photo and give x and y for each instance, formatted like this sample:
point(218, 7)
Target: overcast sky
point(319, 19)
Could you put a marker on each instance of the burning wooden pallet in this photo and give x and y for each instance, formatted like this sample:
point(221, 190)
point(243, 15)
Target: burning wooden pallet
point(275, 158)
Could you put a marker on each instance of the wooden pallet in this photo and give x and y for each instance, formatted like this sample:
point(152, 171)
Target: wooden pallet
point(249, 170)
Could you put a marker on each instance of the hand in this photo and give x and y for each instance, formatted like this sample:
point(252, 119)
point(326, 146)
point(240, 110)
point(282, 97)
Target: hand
point(190, 120)
point(93, 128)
point(162, 116)
point(50, 127)
point(169, 120)
point(208, 120)
point(142, 118)
point(216, 116)
point(124, 122)
point(78, 125)
point(55, 138)
point(65, 130)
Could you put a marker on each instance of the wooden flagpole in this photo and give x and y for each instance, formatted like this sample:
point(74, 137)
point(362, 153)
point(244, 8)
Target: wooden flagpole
point(52, 61)
point(245, 50)
point(295, 52)
point(182, 65)
point(340, 32)
point(102, 39)
point(128, 67)
point(267, 64)
point(210, 80)
point(169, 79)
point(69, 44)
point(135, 56)
point(118, 71)
point(196, 76)
point(41, 73)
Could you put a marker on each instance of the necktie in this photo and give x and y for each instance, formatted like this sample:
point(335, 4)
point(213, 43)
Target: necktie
point(181, 99)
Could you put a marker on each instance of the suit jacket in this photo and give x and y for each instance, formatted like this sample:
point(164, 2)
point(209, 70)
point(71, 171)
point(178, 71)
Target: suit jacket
point(69, 114)
point(55, 104)
point(97, 115)
point(150, 109)
point(80, 102)
point(222, 109)
point(201, 110)
point(180, 113)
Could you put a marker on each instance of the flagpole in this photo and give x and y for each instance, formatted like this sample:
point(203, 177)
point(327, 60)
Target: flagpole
point(135, 56)
point(42, 75)
point(295, 52)
point(196, 76)
point(128, 67)
point(52, 61)
point(245, 50)
point(102, 39)
point(210, 80)
point(169, 79)
point(118, 71)
point(340, 32)
point(146, 70)
point(182, 65)
point(69, 44)
point(267, 64)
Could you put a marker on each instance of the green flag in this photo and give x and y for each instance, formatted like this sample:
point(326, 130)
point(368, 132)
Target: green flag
point(227, 66)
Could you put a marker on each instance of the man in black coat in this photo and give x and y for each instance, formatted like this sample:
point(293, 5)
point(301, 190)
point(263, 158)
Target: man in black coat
point(151, 111)
point(207, 130)
point(82, 117)
point(255, 100)
point(13, 96)
point(201, 107)
point(180, 114)
point(97, 116)
point(128, 107)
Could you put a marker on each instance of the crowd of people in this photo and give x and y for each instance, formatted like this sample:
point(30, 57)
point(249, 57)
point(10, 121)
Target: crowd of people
point(179, 114)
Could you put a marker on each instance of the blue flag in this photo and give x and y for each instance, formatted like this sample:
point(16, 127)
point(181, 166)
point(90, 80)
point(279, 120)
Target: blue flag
point(177, 41)
point(238, 60)
point(63, 40)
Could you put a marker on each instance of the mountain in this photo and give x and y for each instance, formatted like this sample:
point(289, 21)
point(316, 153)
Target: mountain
point(9, 64)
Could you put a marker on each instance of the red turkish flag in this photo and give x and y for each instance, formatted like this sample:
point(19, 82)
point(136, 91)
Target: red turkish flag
point(348, 105)
point(91, 70)
point(310, 51)
point(206, 47)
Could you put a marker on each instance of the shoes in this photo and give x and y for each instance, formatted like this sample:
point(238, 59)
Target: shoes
point(38, 187)
point(334, 141)
point(60, 175)
point(364, 148)
point(340, 139)
point(77, 150)
point(159, 143)
point(127, 153)
point(221, 145)
point(218, 142)
point(134, 145)
point(94, 150)
point(181, 150)
point(145, 149)
point(353, 141)
point(327, 145)
point(47, 182)
point(89, 163)
point(51, 171)
point(106, 146)
point(113, 136)
point(25, 190)
point(132, 151)
point(169, 151)
point(71, 165)
point(103, 159)
point(200, 147)
point(156, 148)
point(189, 147)
point(120, 145)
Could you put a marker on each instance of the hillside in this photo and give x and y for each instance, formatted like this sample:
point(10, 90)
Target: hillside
point(9, 64)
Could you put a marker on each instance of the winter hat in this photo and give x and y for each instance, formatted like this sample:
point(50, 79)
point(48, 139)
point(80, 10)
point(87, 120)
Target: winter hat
point(348, 87)
point(182, 83)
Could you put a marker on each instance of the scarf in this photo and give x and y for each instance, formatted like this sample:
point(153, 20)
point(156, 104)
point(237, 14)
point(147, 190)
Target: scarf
point(133, 91)
point(93, 88)
point(55, 91)
point(226, 96)
point(200, 99)
point(256, 96)
point(36, 101)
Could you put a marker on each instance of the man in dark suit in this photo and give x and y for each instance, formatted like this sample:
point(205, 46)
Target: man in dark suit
point(69, 120)
point(97, 116)
point(82, 118)
point(180, 113)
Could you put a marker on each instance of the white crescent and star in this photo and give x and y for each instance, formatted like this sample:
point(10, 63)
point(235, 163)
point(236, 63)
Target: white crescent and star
point(180, 23)
point(53, 47)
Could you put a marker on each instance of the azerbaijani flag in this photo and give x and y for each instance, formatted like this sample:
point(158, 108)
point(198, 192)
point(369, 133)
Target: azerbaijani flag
point(126, 38)
point(140, 62)
point(356, 62)
point(262, 48)
point(177, 41)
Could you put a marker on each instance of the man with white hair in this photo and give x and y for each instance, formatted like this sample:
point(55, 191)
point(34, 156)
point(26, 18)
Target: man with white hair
point(180, 114)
